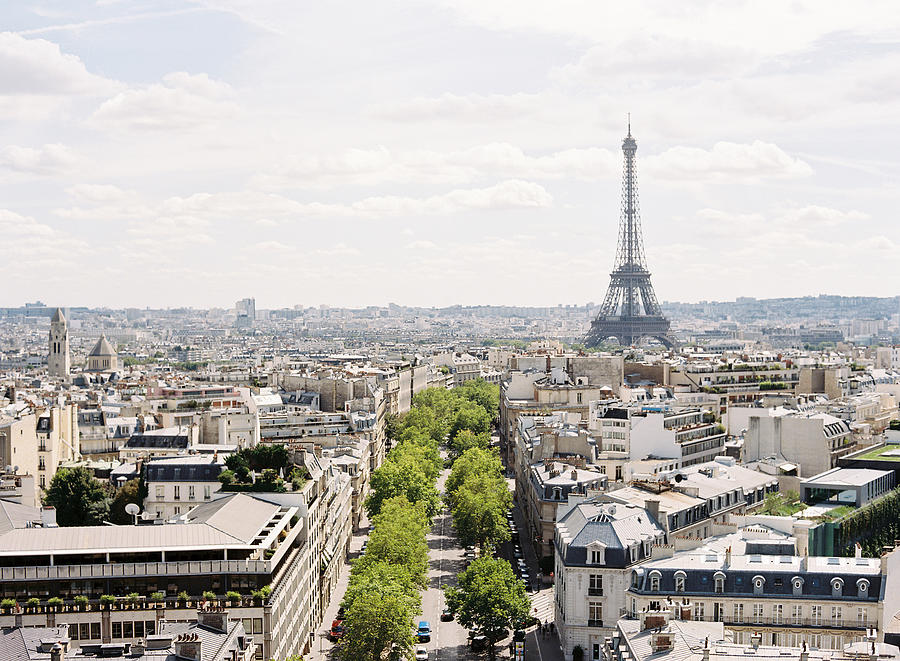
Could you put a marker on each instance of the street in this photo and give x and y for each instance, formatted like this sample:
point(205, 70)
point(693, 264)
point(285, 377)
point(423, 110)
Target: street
point(449, 639)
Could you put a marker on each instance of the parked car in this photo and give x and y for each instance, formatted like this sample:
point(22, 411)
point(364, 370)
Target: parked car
point(423, 633)
point(479, 643)
point(421, 654)
point(446, 615)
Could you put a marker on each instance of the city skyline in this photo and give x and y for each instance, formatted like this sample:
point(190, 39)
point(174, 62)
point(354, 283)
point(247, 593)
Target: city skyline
point(161, 154)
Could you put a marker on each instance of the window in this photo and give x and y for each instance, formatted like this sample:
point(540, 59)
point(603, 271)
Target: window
point(177, 492)
point(738, 613)
point(837, 587)
point(836, 615)
point(699, 611)
point(578, 398)
point(758, 584)
point(95, 630)
point(596, 585)
point(796, 614)
point(206, 492)
point(777, 614)
point(595, 654)
point(139, 629)
point(654, 581)
point(720, 582)
point(797, 585)
point(116, 629)
point(595, 614)
point(758, 610)
point(815, 615)
point(128, 629)
point(597, 557)
point(177, 511)
point(160, 492)
point(84, 631)
point(719, 611)
point(679, 581)
point(150, 627)
point(191, 495)
point(861, 619)
point(41, 464)
point(862, 587)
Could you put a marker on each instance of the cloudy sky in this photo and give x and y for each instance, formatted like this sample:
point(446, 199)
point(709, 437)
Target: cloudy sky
point(432, 152)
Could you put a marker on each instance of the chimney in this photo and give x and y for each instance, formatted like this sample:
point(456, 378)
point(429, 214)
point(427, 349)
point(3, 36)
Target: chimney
point(574, 475)
point(654, 619)
point(858, 550)
point(56, 652)
point(706, 649)
point(804, 652)
point(187, 646)
point(213, 618)
point(661, 641)
point(652, 506)
point(48, 516)
point(727, 557)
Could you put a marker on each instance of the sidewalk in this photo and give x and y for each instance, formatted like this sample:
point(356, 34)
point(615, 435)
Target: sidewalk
point(323, 644)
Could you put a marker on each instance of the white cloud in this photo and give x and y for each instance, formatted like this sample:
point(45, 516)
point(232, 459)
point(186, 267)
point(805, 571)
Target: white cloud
point(494, 160)
point(39, 67)
point(472, 107)
point(181, 102)
point(726, 161)
point(49, 160)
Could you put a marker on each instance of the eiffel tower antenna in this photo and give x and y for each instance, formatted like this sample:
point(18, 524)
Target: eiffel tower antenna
point(630, 310)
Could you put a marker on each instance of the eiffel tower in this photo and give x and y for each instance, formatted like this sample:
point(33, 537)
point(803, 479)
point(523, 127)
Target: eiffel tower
point(630, 310)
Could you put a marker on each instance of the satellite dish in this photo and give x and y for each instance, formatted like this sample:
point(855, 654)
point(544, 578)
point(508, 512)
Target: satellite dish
point(133, 509)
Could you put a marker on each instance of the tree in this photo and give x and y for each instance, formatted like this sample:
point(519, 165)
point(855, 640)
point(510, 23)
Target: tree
point(423, 450)
point(472, 461)
point(379, 621)
point(467, 439)
point(237, 463)
point(79, 499)
point(479, 510)
point(489, 599)
point(403, 477)
point(425, 419)
point(129, 493)
point(486, 395)
point(399, 539)
point(472, 417)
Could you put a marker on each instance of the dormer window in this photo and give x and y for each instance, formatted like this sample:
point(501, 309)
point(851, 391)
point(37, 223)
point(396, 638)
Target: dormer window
point(719, 579)
point(597, 554)
point(837, 586)
point(758, 583)
point(862, 587)
point(655, 577)
point(797, 585)
point(680, 580)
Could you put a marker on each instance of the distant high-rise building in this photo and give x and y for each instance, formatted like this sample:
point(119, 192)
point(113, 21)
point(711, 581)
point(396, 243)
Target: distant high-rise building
point(246, 307)
point(58, 362)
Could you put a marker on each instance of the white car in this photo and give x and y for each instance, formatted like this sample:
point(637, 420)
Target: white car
point(421, 653)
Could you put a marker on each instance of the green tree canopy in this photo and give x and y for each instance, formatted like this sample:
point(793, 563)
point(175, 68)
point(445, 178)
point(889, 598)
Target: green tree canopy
point(479, 510)
point(404, 477)
point(472, 461)
point(379, 622)
point(129, 493)
point(485, 394)
point(472, 417)
point(79, 499)
point(467, 439)
point(425, 420)
point(399, 538)
point(489, 599)
point(424, 451)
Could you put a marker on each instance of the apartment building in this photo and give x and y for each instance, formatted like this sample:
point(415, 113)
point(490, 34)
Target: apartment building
point(596, 545)
point(755, 582)
point(813, 441)
point(689, 434)
point(175, 485)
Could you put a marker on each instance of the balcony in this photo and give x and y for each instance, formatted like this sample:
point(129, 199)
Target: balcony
point(129, 569)
point(595, 592)
point(784, 621)
point(595, 623)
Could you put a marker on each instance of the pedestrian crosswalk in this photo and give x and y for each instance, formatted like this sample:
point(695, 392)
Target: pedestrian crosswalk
point(542, 604)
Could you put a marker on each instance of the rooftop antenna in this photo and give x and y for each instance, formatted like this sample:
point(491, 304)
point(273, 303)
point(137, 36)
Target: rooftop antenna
point(629, 124)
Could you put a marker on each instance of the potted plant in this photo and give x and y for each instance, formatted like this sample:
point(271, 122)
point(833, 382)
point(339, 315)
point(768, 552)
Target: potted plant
point(158, 598)
point(257, 597)
point(233, 598)
point(54, 603)
point(183, 598)
point(81, 602)
point(209, 596)
point(107, 600)
point(33, 604)
point(133, 599)
point(7, 605)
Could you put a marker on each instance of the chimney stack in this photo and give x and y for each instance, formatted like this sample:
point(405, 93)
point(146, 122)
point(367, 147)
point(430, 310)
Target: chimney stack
point(187, 646)
point(56, 652)
point(652, 506)
point(804, 652)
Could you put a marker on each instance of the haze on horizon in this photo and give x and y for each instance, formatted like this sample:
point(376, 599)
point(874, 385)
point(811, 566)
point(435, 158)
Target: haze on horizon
point(165, 153)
